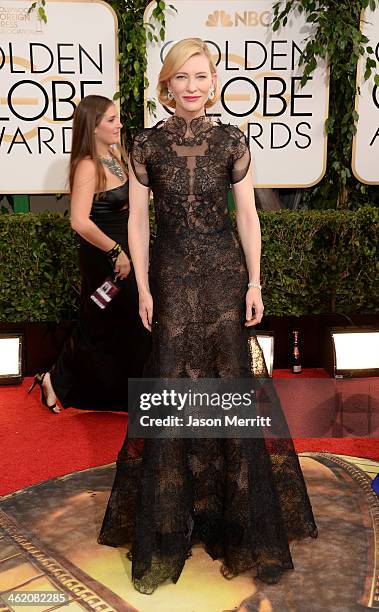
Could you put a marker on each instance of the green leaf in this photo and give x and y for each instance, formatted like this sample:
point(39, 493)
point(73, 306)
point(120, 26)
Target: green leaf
point(313, 64)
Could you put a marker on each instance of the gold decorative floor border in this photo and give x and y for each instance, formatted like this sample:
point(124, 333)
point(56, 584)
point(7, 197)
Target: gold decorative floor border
point(81, 588)
point(370, 598)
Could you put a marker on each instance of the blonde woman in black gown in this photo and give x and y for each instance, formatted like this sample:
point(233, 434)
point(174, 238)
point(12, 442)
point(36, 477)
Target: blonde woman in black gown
point(244, 499)
point(107, 346)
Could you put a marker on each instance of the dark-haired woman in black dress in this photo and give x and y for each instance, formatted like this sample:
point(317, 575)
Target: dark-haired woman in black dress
point(108, 345)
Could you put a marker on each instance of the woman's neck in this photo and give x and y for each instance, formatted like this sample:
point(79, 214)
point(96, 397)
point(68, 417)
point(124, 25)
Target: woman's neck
point(188, 116)
point(103, 151)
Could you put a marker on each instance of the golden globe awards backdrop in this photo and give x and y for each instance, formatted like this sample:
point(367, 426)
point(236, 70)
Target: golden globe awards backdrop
point(259, 79)
point(45, 70)
point(366, 141)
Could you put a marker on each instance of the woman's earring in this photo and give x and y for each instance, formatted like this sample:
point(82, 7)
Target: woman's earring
point(170, 95)
point(211, 94)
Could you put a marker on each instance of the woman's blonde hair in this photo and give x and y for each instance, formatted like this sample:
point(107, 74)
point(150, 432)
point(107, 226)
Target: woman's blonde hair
point(175, 58)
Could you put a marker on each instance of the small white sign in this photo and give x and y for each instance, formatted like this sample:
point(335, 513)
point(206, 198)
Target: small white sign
point(9, 356)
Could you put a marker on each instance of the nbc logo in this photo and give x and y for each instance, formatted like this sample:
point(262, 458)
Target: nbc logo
point(246, 18)
point(219, 18)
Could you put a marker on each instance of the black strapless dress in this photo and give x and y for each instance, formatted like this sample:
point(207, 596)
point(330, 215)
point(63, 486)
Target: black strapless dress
point(107, 346)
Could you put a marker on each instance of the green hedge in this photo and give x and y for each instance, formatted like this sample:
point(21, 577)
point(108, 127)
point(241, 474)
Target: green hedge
point(312, 262)
point(320, 261)
point(39, 276)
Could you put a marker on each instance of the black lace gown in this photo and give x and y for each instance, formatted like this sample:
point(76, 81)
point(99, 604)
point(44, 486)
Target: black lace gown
point(107, 346)
point(244, 499)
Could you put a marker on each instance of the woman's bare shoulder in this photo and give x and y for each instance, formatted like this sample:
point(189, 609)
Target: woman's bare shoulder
point(85, 173)
point(86, 168)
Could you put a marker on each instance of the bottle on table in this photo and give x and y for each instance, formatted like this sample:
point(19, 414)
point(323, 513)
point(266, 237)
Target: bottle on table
point(295, 356)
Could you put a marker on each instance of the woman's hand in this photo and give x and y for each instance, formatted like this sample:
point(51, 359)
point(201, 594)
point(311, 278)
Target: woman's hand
point(146, 309)
point(122, 266)
point(254, 307)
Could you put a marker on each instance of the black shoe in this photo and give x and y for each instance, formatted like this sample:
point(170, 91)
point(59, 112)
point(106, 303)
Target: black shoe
point(38, 380)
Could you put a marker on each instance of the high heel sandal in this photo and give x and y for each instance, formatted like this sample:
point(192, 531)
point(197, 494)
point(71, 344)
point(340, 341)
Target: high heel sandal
point(38, 380)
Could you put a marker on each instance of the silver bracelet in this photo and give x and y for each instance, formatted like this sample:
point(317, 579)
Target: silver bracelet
point(254, 285)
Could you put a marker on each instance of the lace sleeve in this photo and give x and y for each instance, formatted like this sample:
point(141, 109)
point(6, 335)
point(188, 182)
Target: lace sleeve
point(239, 155)
point(138, 158)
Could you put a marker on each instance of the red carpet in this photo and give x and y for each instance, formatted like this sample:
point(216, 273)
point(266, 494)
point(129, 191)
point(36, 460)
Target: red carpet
point(37, 445)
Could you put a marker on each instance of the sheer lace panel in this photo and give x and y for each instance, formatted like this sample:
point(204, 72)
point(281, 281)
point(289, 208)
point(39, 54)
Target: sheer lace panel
point(240, 154)
point(138, 159)
point(201, 142)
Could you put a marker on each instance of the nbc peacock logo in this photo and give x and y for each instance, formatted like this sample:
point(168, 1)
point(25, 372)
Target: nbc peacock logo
point(219, 18)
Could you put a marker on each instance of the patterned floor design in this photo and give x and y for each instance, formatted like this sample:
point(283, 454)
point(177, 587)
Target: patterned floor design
point(48, 542)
